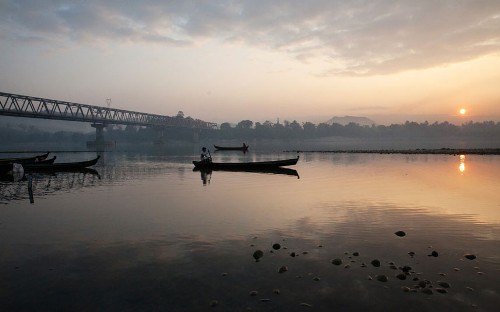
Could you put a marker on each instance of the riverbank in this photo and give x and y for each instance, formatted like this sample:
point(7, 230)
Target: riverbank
point(440, 151)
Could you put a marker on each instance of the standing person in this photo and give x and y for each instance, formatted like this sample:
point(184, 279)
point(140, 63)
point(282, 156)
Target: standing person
point(205, 154)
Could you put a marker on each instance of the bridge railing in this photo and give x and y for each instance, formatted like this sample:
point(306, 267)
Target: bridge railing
point(35, 107)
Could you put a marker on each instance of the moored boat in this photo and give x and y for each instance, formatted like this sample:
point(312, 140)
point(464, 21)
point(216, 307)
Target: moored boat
point(246, 165)
point(244, 148)
point(61, 166)
point(23, 160)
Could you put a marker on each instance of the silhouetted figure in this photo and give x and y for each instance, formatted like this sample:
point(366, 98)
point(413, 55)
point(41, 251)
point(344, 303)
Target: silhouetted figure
point(205, 155)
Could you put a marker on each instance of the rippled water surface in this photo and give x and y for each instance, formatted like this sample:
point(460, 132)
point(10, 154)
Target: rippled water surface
point(147, 233)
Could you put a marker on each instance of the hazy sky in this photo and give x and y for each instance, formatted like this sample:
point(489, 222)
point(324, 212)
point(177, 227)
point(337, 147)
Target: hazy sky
point(228, 60)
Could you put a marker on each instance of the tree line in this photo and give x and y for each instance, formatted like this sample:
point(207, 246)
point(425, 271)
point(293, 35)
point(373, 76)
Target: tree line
point(248, 130)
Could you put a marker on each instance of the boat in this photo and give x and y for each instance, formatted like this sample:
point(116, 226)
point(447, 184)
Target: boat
point(61, 166)
point(246, 165)
point(23, 160)
point(244, 148)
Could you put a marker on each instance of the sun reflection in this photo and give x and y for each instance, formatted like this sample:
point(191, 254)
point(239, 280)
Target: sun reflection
point(462, 164)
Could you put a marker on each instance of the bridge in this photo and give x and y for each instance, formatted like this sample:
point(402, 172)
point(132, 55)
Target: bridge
point(34, 107)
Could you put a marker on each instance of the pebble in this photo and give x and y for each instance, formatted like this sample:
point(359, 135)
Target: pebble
point(400, 233)
point(258, 254)
point(276, 246)
point(456, 269)
point(469, 288)
point(470, 256)
point(283, 269)
point(443, 284)
point(441, 290)
point(427, 291)
point(305, 304)
point(293, 254)
point(253, 293)
point(337, 261)
point(317, 279)
point(401, 276)
point(405, 288)
point(434, 254)
point(442, 274)
point(381, 278)
point(376, 263)
point(276, 291)
point(355, 254)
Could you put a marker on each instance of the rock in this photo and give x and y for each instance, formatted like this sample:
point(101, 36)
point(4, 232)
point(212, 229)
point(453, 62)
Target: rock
point(317, 279)
point(355, 254)
point(276, 246)
point(381, 278)
point(376, 263)
point(443, 284)
point(406, 288)
point(258, 254)
point(337, 261)
point(427, 291)
point(253, 293)
point(470, 256)
point(400, 233)
point(276, 291)
point(293, 254)
point(283, 269)
point(441, 290)
point(434, 254)
point(305, 304)
point(401, 276)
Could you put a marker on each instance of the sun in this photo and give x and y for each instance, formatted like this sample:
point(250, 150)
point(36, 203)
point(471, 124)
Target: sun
point(463, 111)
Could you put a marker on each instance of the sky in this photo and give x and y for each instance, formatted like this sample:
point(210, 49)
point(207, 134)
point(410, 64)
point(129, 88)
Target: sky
point(231, 60)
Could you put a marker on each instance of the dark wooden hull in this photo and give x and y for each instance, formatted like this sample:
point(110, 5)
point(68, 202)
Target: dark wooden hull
point(229, 148)
point(24, 160)
point(247, 165)
point(61, 166)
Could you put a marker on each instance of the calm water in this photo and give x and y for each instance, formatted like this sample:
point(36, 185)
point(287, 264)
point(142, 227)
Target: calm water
point(147, 233)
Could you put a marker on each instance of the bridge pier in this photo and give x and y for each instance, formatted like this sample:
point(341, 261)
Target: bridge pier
point(160, 135)
point(99, 137)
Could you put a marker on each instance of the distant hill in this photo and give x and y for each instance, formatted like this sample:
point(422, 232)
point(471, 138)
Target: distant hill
point(362, 121)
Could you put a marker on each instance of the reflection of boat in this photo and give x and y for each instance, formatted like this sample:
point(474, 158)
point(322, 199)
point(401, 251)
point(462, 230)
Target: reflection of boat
point(24, 160)
point(232, 148)
point(70, 166)
point(247, 165)
point(270, 170)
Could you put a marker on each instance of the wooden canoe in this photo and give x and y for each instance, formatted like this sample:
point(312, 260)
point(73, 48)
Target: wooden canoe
point(24, 160)
point(231, 148)
point(61, 166)
point(247, 165)
point(270, 170)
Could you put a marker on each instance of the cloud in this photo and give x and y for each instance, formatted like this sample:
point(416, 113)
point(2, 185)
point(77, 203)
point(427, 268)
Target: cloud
point(363, 37)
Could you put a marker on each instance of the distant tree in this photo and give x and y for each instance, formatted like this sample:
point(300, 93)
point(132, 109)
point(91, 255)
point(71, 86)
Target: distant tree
point(180, 114)
point(245, 124)
point(225, 126)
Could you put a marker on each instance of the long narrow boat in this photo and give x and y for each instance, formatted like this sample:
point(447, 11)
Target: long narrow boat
point(61, 166)
point(246, 165)
point(22, 160)
point(232, 148)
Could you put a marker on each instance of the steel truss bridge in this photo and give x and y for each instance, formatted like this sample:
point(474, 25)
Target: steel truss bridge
point(35, 107)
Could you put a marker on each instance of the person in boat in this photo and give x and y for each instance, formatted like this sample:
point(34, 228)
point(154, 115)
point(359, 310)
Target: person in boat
point(205, 154)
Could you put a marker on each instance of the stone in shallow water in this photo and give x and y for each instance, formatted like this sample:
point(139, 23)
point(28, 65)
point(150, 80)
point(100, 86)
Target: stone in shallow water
point(258, 254)
point(337, 261)
point(400, 233)
point(470, 256)
point(355, 254)
point(253, 293)
point(441, 290)
point(434, 254)
point(376, 263)
point(381, 278)
point(401, 276)
point(283, 269)
point(427, 291)
point(276, 246)
point(443, 284)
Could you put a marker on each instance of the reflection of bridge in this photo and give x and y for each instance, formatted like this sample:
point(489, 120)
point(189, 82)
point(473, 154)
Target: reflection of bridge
point(100, 117)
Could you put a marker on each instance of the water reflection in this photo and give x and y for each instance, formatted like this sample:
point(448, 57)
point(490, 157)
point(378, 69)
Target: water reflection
point(206, 174)
point(39, 184)
point(461, 167)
